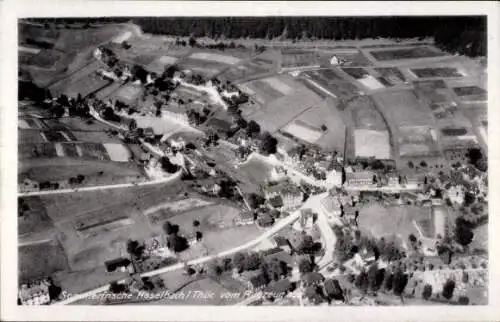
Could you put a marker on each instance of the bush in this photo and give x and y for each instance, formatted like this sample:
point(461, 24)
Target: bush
point(448, 289)
point(463, 300)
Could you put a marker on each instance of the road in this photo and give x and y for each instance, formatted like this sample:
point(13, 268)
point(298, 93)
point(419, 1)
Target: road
point(173, 177)
point(267, 234)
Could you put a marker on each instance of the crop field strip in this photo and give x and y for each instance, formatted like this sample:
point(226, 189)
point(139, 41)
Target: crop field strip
point(406, 53)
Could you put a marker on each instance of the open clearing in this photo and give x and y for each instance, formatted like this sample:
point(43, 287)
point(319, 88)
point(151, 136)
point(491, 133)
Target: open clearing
point(117, 152)
point(303, 131)
point(371, 143)
point(257, 170)
point(407, 53)
point(365, 115)
point(391, 74)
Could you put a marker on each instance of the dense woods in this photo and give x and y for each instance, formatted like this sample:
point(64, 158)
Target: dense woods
point(465, 35)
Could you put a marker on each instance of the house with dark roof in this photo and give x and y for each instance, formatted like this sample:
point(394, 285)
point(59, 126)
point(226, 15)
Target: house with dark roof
point(279, 255)
point(283, 243)
point(265, 220)
point(279, 289)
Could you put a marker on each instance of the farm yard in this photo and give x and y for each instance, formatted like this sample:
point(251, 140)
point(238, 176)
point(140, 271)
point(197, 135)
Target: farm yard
point(406, 53)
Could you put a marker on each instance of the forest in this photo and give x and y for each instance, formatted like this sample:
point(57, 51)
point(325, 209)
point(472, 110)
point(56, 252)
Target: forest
point(456, 34)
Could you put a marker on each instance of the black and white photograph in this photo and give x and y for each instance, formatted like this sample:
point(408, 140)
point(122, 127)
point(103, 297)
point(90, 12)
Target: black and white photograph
point(252, 160)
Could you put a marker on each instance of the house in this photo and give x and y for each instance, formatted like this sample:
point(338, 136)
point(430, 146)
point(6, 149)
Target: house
point(312, 278)
point(34, 293)
point(97, 53)
point(334, 61)
point(290, 194)
point(392, 179)
point(122, 263)
point(278, 174)
point(149, 133)
point(177, 142)
point(456, 194)
point(312, 295)
point(360, 178)
point(245, 218)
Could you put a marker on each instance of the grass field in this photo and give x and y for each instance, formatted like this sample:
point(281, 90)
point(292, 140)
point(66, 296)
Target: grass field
point(372, 143)
point(283, 110)
point(416, 140)
point(40, 260)
point(385, 221)
point(391, 74)
point(303, 131)
point(265, 94)
point(224, 59)
point(436, 72)
point(257, 170)
point(63, 168)
point(401, 108)
point(409, 53)
point(35, 218)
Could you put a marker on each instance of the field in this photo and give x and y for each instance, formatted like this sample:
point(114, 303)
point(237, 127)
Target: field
point(283, 110)
point(34, 219)
point(372, 143)
point(158, 65)
point(245, 71)
point(392, 75)
point(303, 131)
point(257, 170)
point(356, 72)
point(75, 124)
point(31, 123)
point(416, 140)
point(164, 126)
point(371, 83)
point(298, 58)
point(365, 114)
point(326, 114)
point(434, 92)
point(382, 221)
point(264, 93)
point(63, 168)
point(401, 108)
point(409, 53)
point(224, 59)
point(41, 260)
point(128, 94)
point(471, 93)
point(332, 82)
point(84, 83)
point(46, 58)
point(30, 136)
point(436, 72)
point(117, 152)
point(164, 211)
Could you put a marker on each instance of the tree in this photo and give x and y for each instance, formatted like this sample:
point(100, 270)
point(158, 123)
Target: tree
point(463, 231)
point(177, 243)
point(412, 238)
point(361, 282)
point(268, 144)
point(427, 292)
point(463, 300)
point(169, 228)
point(116, 288)
point(196, 223)
point(241, 122)
point(255, 200)
point(400, 282)
point(253, 129)
point(448, 288)
point(423, 164)
point(306, 245)
point(469, 198)
point(192, 41)
point(199, 236)
point(134, 248)
point(410, 165)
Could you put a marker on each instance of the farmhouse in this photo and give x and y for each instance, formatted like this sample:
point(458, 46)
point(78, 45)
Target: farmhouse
point(359, 178)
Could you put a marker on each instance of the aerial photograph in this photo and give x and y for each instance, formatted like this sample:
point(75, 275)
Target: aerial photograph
point(253, 161)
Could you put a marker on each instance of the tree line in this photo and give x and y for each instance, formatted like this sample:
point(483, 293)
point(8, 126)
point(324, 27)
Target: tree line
point(465, 35)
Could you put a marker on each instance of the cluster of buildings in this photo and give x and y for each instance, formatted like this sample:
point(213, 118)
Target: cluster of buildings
point(34, 293)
